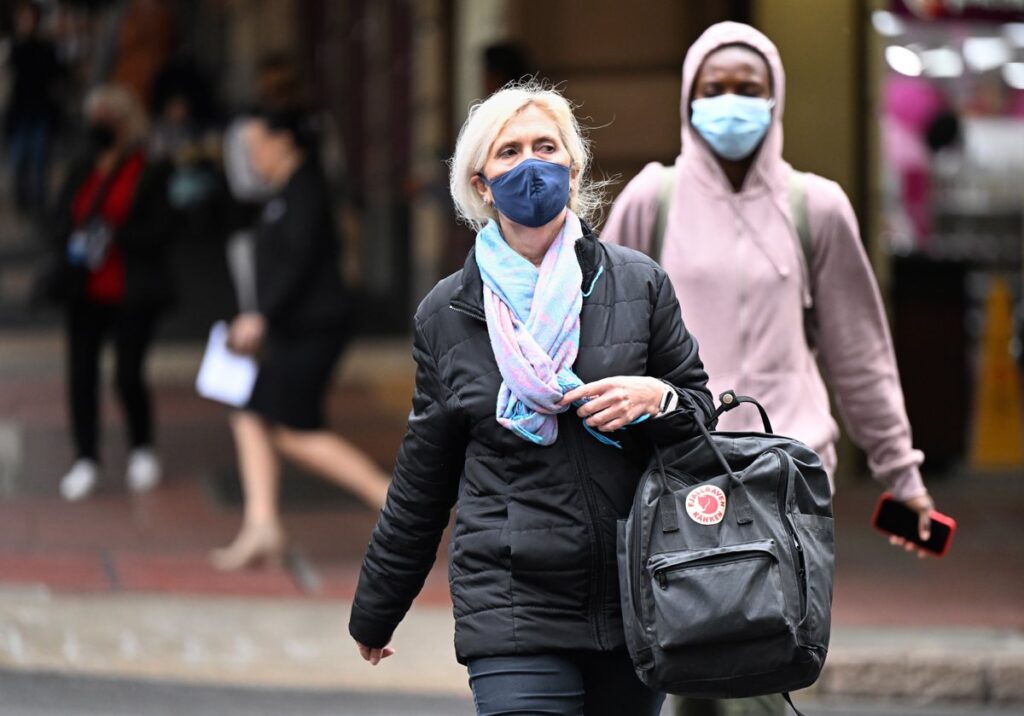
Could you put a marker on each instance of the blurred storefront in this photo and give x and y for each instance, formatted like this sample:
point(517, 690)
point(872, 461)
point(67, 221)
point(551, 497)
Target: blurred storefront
point(916, 108)
point(950, 94)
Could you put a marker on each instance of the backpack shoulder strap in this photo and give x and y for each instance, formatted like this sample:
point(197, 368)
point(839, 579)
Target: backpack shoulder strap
point(797, 191)
point(666, 192)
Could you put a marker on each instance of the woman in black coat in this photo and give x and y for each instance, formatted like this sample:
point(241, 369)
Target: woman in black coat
point(297, 333)
point(539, 480)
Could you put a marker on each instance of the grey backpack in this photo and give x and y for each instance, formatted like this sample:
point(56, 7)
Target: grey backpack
point(725, 565)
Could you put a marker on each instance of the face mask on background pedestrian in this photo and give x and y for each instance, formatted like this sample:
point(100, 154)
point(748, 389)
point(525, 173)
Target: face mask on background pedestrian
point(731, 124)
point(101, 136)
point(532, 193)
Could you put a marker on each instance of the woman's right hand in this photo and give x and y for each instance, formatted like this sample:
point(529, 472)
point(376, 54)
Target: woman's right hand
point(246, 333)
point(374, 655)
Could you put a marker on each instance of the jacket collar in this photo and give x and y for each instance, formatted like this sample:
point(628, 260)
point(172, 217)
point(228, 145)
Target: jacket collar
point(468, 297)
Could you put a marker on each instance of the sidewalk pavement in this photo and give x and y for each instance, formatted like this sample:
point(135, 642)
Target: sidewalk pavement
point(119, 584)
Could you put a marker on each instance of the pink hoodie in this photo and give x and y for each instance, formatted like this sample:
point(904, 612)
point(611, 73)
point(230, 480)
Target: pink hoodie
point(736, 264)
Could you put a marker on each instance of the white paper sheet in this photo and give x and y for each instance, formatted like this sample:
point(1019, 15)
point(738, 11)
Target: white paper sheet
point(225, 376)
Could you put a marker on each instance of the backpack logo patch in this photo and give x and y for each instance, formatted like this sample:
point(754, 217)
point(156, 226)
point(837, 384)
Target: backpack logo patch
point(706, 505)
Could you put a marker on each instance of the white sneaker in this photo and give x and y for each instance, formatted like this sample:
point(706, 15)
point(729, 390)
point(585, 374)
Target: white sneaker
point(144, 471)
point(80, 480)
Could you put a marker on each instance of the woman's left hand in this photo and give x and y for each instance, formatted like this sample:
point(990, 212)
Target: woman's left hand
point(618, 401)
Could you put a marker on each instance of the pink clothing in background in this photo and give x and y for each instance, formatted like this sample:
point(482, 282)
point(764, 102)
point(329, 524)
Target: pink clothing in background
point(735, 262)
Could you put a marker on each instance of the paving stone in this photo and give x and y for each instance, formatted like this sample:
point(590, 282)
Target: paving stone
point(82, 572)
point(1006, 678)
point(192, 574)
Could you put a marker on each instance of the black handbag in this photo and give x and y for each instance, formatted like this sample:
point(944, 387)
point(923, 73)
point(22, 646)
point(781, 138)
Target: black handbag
point(726, 565)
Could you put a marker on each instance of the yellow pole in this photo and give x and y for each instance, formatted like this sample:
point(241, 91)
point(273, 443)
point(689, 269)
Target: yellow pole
point(998, 439)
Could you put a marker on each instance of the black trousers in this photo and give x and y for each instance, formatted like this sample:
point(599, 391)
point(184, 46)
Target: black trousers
point(89, 325)
point(574, 683)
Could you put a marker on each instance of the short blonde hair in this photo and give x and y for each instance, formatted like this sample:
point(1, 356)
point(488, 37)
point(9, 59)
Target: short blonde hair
point(483, 125)
point(122, 104)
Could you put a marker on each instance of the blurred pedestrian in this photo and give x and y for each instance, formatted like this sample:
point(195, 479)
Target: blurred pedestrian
point(297, 332)
point(531, 359)
point(186, 134)
point(33, 112)
point(146, 39)
point(114, 228)
point(504, 62)
point(733, 252)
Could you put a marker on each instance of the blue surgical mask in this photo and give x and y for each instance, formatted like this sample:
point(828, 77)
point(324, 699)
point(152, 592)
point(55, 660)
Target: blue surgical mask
point(532, 193)
point(731, 124)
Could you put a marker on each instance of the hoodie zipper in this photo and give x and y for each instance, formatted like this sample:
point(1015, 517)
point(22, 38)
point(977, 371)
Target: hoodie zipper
point(740, 258)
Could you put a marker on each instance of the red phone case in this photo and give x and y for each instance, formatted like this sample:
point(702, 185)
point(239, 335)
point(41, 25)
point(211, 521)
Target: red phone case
point(934, 515)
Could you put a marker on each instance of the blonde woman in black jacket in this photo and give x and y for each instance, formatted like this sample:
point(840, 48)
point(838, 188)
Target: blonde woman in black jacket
point(545, 368)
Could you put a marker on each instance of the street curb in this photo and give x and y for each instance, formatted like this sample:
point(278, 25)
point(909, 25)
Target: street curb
point(924, 666)
point(303, 644)
point(266, 642)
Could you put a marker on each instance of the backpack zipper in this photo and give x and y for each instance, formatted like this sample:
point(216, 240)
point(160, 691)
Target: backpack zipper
point(744, 555)
point(796, 548)
point(637, 536)
point(638, 533)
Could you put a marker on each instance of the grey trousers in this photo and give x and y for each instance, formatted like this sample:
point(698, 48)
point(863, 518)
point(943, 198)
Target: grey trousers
point(773, 705)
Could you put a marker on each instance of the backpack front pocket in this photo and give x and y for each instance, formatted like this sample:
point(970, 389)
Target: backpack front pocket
point(717, 595)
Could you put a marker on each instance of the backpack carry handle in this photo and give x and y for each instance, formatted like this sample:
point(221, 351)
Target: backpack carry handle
point(738, 490)
point(729, 400)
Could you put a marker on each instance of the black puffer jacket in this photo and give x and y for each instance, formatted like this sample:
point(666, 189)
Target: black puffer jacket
point(532, 555)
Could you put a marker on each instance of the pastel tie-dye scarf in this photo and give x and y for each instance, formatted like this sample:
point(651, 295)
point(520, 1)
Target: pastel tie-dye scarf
point(533, 320)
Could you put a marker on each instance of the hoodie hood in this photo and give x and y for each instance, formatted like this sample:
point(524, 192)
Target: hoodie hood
point(769, 169)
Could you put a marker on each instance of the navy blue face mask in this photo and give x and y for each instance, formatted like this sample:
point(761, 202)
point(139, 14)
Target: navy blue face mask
point(532, 193)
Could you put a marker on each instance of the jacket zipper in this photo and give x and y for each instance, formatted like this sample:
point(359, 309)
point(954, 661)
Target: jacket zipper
point(468, 312)
point(796, 548)
point(598, 570)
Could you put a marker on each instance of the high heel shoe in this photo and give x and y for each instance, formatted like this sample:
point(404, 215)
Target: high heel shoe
point(255, 545)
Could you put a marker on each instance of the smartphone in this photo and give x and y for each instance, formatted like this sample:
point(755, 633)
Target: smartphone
point(894, 518)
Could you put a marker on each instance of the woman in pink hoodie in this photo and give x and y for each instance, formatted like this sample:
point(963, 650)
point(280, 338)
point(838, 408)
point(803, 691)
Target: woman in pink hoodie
point(732, 250)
